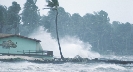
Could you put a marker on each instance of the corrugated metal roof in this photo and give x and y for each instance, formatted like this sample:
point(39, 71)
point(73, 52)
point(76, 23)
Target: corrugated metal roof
point(11, 35)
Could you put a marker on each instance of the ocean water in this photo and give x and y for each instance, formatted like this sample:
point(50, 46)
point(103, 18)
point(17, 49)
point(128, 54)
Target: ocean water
point(26, 66)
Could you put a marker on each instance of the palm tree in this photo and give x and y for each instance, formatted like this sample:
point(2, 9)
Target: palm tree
point(54, 4)
point(58, 35)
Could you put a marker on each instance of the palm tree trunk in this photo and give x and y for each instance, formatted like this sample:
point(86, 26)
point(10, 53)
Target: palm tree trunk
point(58, 35)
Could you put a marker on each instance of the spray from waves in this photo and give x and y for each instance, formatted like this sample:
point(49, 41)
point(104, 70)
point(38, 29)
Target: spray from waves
point(71, 46)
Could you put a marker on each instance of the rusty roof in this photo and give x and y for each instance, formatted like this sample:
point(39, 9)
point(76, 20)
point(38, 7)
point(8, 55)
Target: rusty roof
point(12, 35)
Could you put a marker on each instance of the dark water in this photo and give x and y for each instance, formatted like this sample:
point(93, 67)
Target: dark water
point(26, 66)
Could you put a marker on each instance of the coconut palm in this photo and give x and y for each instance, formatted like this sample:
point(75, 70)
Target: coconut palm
point(54, 4)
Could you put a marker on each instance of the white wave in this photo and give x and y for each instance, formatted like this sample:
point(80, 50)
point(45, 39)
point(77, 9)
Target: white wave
point(66, 67)
point(71, 46)
point(116, 57)
point(108, 66)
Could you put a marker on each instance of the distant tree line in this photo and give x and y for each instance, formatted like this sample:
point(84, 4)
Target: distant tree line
point(10, 18)
point(105, 37)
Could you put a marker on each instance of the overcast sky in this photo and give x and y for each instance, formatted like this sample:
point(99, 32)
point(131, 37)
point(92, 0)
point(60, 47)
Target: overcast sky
point(118, 10)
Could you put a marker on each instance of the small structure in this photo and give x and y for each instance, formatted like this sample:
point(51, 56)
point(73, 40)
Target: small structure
point(19, 45)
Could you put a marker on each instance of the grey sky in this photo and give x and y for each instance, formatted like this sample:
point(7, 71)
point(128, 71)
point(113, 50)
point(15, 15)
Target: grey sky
point(118, 10)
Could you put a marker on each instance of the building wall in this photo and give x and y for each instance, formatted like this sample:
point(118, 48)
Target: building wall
point(21, 44)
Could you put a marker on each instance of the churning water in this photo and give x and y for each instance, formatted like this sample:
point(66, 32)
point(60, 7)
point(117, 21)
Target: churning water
point(71, 46)
point(65, 67)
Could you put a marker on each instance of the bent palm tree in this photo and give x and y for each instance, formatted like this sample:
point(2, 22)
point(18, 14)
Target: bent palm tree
point(54, 4)
point(58, 35)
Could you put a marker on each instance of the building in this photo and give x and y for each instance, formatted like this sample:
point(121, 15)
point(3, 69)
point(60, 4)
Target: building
point(19, 45)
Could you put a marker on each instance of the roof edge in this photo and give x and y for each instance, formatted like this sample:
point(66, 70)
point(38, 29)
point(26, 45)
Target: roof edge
point(12, 35)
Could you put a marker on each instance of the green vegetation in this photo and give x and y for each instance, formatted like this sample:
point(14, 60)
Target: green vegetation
point(30, 17)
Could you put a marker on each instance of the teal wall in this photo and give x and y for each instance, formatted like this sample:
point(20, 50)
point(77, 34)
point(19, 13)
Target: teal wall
point(22, 44)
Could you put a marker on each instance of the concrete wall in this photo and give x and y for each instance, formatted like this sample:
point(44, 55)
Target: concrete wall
point(22, 44)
